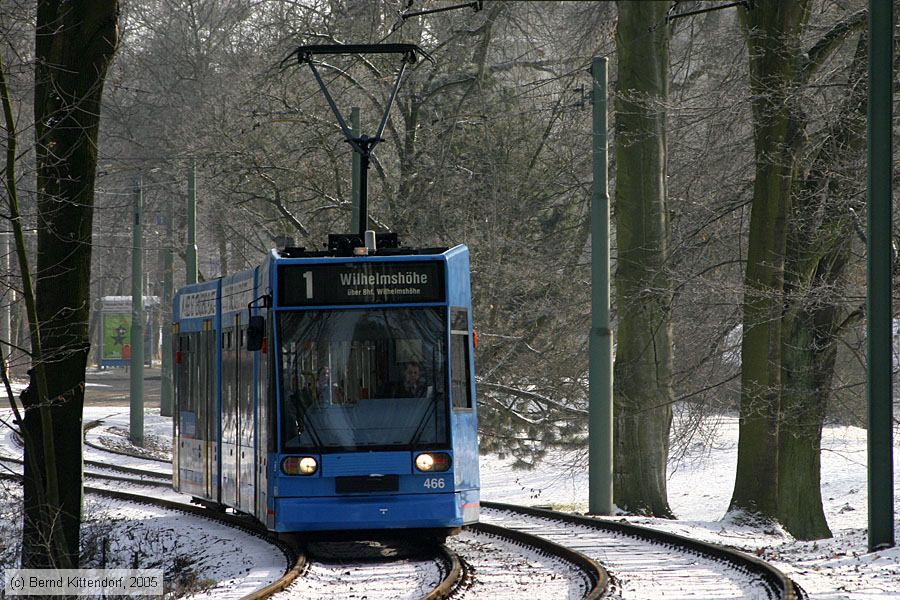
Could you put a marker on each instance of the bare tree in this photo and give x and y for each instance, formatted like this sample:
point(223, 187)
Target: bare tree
point(800, 233)
point(73, 47)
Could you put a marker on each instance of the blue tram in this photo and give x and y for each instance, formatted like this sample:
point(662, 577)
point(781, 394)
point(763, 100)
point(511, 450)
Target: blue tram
point(326, 391)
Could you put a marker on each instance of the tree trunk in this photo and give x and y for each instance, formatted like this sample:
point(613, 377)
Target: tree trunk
point(807, 370)
point(773, 30)
point(813, 312)
point(643, 393)
point(74, 44)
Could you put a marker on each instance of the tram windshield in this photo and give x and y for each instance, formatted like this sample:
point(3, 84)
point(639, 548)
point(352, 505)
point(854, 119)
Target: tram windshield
point(354, 379)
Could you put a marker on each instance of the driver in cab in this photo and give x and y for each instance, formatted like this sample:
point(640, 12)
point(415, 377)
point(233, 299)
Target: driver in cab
point(412, 385)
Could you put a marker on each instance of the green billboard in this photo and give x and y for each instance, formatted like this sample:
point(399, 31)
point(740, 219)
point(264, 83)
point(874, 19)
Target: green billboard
point(115, 329)
point(116, 335)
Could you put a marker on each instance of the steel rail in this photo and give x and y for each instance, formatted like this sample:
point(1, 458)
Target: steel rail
point(596, 575)
point(453, 578)
point(102, 465)
point(454, 568)
point(153, 482)
point(296, 557)
point(129, 480)
point(788, 589)
point(452, 563)
point(130, 470)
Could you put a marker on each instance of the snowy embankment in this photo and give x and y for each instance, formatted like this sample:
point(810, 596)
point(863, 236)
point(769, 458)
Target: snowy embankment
point(699, 489)
point(201, 558)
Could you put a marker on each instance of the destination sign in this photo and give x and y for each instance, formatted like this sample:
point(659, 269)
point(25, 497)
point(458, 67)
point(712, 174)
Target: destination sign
point(198, 304)
point(361, 283)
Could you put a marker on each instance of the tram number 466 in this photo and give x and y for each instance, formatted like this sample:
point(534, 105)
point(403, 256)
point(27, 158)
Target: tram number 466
point(435, 483)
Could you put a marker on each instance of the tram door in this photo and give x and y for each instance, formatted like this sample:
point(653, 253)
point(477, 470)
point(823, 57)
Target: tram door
point(264, 438)
point(238, 456)
point(229, 417)
point(246, 456)
point(195, 422)
point(264, 413)
point(208, 399)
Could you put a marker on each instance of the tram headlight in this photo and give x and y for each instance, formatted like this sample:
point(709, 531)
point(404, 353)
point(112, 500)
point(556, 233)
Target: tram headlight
point(299, 465)
point(433, 462)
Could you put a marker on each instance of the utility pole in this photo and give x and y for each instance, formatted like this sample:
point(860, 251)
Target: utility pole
point(136, 420)
point(355, 165)
point(600, 407)
point(879, 322)
point(165, 393)
point(191, 250)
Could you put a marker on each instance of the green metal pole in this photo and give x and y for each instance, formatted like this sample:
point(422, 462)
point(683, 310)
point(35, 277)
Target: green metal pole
point(879, 324)
point(5, 287)
point(356, 165)
point(600, 423)
point(165, 392)
point(191, 250)
point(136, 420)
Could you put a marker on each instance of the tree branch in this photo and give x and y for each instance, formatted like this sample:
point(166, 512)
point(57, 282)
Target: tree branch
point(532, 396)
point(831, 41)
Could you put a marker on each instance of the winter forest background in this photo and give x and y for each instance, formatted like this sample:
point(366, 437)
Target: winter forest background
point(491, 147)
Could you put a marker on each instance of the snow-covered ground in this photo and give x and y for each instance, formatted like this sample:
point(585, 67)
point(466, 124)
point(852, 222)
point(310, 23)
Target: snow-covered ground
point(212, 560)
point(699, 491)
point(201, 558)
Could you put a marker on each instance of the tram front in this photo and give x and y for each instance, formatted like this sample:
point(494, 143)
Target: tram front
point(376, 412)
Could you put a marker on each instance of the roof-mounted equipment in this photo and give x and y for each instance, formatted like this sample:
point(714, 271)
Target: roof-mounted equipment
point(362, 144)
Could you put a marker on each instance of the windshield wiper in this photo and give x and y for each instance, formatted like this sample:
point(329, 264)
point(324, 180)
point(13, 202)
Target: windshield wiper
point(420, 428)
point(312, 432)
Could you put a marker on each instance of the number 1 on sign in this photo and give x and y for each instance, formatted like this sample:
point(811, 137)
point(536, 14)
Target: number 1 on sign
point(307, 275)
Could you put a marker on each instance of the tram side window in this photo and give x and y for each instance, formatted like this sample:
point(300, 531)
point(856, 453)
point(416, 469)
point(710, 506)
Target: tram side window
point(208, 347)
point(187, 383)
point(181, 383)
point(460, 389)
point(196, 390)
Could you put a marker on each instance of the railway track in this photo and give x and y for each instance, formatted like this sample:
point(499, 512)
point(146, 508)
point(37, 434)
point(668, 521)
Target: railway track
point(645, 563)
point(449, 564)
point(129, 453)
point(648, 563)
point(294, 555)
point(460, 578)
point(386, 568)
point(446, 562)
point(457, 576)
point(156, 474)
point(142, 478)
point(585, 578)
